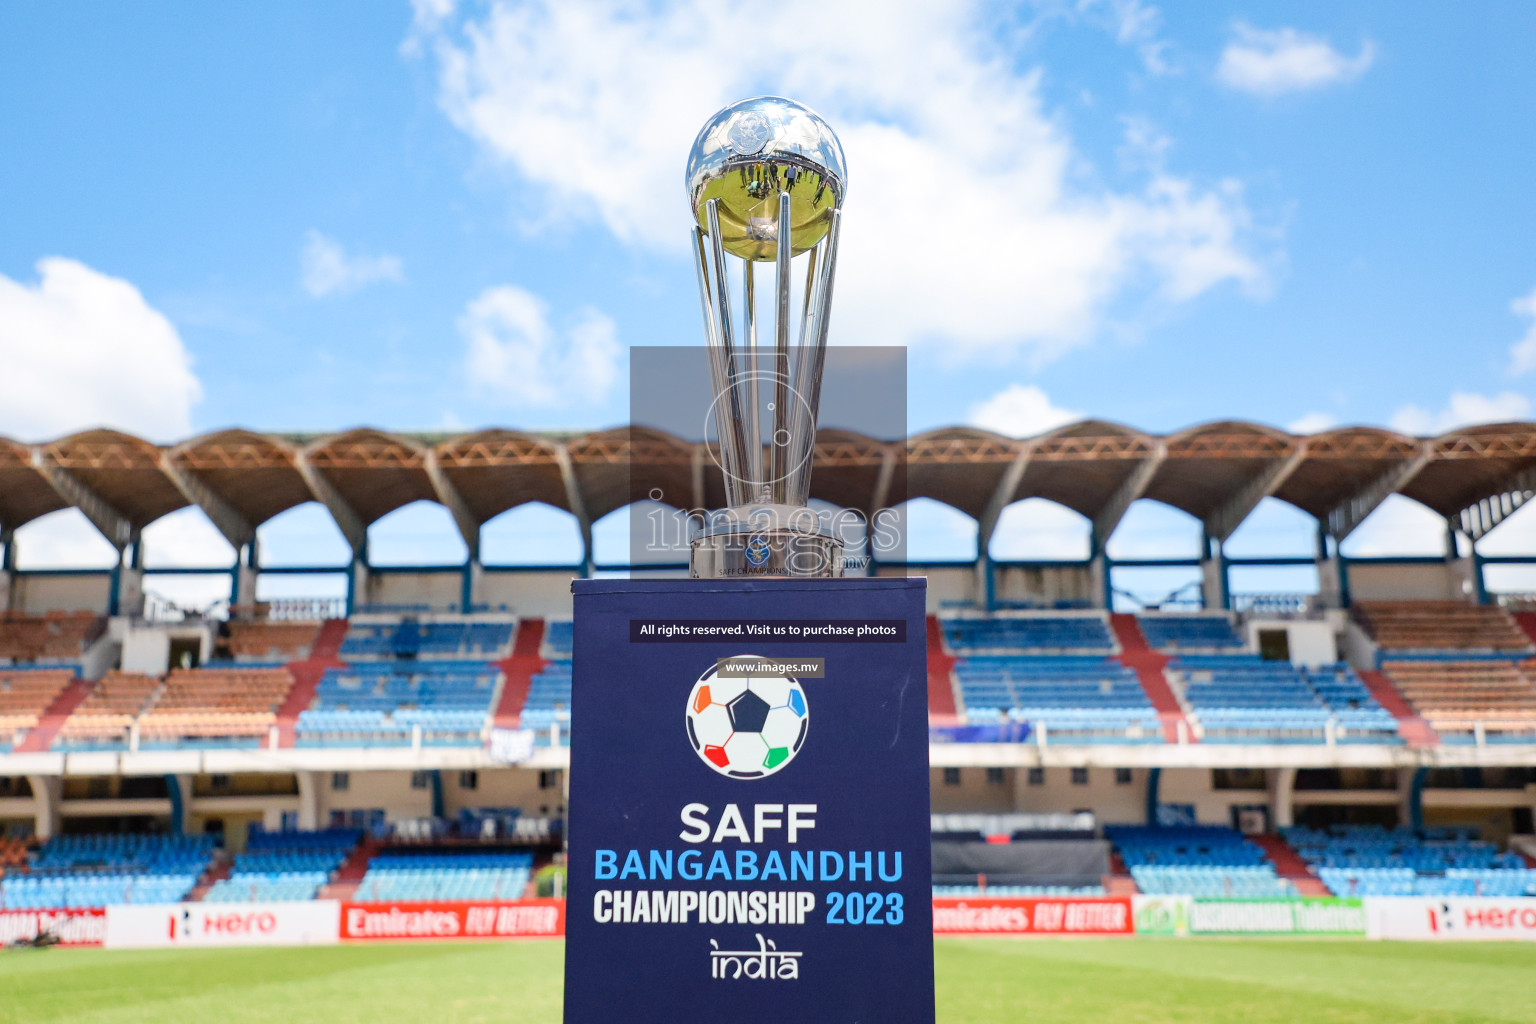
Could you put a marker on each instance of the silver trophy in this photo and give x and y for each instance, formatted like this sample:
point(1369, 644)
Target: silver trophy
point(766, 182)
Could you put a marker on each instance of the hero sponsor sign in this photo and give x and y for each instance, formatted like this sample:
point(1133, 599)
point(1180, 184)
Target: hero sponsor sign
point(363, 922)
point(81, 927)
point(306, 923)
point(1416, 917)
point(1109, 915)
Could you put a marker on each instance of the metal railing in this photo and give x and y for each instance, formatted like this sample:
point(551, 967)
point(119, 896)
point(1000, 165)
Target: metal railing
point(293, 609)
point(1276, 605)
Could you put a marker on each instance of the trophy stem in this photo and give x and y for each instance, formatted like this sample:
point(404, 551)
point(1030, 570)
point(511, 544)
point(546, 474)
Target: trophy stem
point(725, 369)
point(812, 358)
point(779, 443)
point(754, 424)
point(707, 302)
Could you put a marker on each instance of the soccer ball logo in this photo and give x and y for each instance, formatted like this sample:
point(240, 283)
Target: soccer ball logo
point(747, 728)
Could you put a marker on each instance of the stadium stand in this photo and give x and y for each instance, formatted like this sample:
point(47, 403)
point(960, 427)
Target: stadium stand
point(98, 870)
point(13, 854)
point(1189, 632)
point(24, 696)
point(106, 717)
point(255, 640)
point(1374, 861)
point(549, 698)
point(1438, 627)
point(1464, 699)
point(56, 638)
point(385, 704)
point(284, 866)
point(1028, 634)
point(412, 638)
point(1241, 699)
point(558, 637)
point(1196, 860)
point(410, 874)
point(222, 706)
point(1075, 698)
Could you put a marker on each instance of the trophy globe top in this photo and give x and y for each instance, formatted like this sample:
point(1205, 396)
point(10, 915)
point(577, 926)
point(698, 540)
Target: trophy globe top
point(749, 152)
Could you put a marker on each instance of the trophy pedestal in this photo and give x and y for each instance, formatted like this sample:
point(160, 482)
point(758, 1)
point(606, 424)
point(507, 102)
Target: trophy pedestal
point(765, 541)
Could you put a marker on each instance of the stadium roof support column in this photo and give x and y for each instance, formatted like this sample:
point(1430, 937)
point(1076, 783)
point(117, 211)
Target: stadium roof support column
point(1282, 797)
point(1114, 510)
point(128, 581)
point(1225, 520)
point(1215, 587)
point(578, 504)
point(1477, 520)
point(47, 795)
point(113, 524)
point(225, 519)
point(309, 800)
point(1352, 511)
point(986, 526)
point(347, 521)
point(7, 566)
point(242, 588)
point(464, 519)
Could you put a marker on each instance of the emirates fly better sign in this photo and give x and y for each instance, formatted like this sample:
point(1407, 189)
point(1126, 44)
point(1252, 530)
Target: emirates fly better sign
point(749, 794)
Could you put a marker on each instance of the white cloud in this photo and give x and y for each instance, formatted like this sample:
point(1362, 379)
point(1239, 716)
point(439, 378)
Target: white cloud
point(63, 540)
point(1137, 24)
point(972, 219)
point(80, 349)
point(1522, 354)
point(1020, 410)
point(1398, 526)
point(327, 269)
point(1464, 409)
point(515, 354)
point(1313, 423)
point(1272, 62)
point(185, 539)
point(1037, 528)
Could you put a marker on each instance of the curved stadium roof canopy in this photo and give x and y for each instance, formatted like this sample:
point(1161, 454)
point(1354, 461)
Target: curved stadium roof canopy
point(1217, 472)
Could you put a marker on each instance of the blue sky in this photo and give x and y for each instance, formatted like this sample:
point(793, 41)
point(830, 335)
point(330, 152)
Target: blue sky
point(296, 216)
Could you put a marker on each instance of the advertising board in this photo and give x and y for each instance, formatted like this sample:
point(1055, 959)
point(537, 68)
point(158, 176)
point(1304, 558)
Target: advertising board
point(363, 922)
point(304, 923)
point(80, 927)
point(1452, 918)
point(982, 915)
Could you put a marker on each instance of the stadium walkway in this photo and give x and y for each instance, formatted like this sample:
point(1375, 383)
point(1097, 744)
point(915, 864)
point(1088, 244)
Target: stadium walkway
point(1136, 655)
point(306, 677)
point(40, 737)
point(518, 670)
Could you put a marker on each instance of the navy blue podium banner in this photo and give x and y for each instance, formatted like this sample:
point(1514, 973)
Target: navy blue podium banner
point(749, 812)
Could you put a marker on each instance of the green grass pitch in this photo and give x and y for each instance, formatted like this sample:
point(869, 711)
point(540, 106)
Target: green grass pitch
point(1039, 981)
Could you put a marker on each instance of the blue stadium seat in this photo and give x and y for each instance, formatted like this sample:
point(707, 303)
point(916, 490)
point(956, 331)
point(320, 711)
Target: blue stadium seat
point(1363, 860)
point(382, 704)
point(1239, 698)
point(284, 866)
point(404, 875)
point(1189, 632)
point(1075, 698)
point(98, 870)
point(1005, 634)
point(1196, 860)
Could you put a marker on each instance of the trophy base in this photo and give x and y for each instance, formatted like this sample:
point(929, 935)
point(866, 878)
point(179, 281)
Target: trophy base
point(765, 541)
